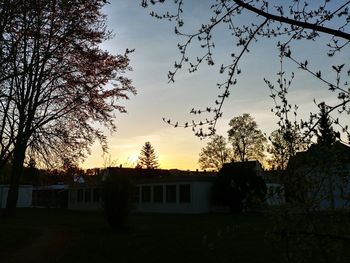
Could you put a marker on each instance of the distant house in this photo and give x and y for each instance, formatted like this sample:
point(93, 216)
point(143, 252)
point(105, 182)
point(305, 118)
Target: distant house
point(24, 195)
point(85, 193)
point(157, 191)
point(254, 165)
point(275, 187)
point(320, 177)
point(178, 194)
point(161, 191)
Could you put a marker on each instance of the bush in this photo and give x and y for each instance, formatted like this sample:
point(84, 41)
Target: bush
point(117, 198)
point(239, 188)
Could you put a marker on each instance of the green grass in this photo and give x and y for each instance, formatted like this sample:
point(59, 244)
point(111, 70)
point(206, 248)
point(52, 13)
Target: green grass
point(146, 238)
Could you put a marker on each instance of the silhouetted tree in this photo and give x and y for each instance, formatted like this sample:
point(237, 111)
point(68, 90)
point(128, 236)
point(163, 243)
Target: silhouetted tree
point(248, 23)
point(5, 173)
point(117, 197)
point(71, 169)
point(247, 140)
point(239, 188)
point(215, 154)
point(279, 149)
point(147, 158)
point(325, 135)
point(31, 173)
point(55, 87)
point(8, 11)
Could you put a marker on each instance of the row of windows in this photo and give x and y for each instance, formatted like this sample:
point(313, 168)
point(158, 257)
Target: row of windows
point(148, 193)
point(87, 195)
point(161, 193)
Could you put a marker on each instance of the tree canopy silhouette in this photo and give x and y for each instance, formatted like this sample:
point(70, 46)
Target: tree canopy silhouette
point(247, 140)
point(279, 150)
point(215, 154)
point(147, 158)
point(56, 82)
point(238, 187)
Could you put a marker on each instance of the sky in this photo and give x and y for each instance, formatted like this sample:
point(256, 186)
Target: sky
point(156, 50)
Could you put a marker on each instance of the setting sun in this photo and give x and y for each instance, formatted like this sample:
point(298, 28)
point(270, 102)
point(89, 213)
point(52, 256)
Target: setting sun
point(131, 161)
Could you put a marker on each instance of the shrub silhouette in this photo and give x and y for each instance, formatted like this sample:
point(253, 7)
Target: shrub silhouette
point(239, 188)
point(117, 198)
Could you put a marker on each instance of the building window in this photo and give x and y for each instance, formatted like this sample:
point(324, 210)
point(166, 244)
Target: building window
point(170, 193)
point(158, 193)
point(137, 194)
point(87, 195)
point(96, 195)
point(185, 193)
point(80, 195)
point(146, 194)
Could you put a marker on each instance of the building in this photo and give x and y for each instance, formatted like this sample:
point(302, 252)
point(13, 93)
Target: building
point(84, 197)
point(24, 195)
point(253, 165)
point(164, 191)
point(157, 191)
point(178, 194)
point(319, 178)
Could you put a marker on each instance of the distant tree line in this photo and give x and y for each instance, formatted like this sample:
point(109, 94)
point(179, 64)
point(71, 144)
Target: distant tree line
point(246, 142)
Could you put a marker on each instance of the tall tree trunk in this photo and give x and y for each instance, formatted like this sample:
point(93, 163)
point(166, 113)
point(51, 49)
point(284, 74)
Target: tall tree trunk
point(16, 172)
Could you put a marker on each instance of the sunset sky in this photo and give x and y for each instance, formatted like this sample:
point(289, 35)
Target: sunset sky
point(155, 52)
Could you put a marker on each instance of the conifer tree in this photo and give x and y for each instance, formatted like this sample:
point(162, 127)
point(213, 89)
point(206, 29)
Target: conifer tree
point(325, 134)
point(147, 158)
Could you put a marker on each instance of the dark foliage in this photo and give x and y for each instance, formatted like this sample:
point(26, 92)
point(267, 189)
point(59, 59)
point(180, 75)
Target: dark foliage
point(325, 135)
point(117, 192)
point(238, 187)
point(247, 140)
point(314, 177)
point(215, 154)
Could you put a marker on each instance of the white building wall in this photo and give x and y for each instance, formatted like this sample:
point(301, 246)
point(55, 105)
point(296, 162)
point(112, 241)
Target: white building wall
point(199, 199)
point(202, 199)
point(75, 203)
point(338, 196)
point(328, 187)
point(24, 196)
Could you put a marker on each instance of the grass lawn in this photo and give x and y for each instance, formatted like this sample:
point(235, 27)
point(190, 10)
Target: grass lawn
point(66, 236)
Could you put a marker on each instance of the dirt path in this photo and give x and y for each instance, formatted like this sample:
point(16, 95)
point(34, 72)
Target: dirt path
point(45, 248)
